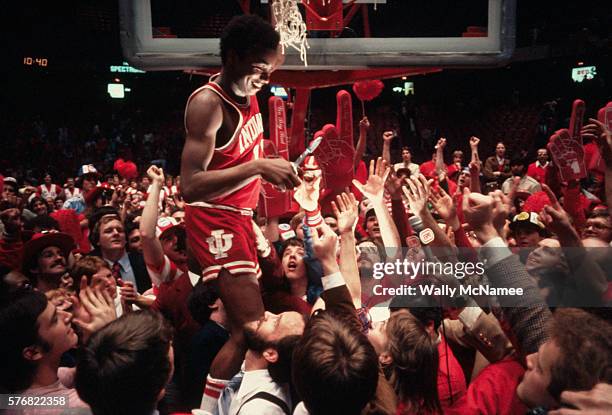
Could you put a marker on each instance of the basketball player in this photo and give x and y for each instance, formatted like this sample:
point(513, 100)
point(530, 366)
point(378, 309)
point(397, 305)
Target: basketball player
point(221, 170)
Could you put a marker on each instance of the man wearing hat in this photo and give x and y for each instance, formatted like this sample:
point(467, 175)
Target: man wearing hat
point(88, 177)
point(528, 229)
point(10, 187)
point(45, 259)
point(527, 184)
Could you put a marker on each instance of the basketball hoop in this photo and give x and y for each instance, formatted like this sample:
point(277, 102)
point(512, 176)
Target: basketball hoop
point(290, 26)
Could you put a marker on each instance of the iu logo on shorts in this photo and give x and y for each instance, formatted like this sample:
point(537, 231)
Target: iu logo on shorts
point(219, 243)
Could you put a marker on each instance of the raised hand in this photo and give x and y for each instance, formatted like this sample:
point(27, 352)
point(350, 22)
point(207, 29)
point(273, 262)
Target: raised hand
point(97, 308)
point(156, 174)
point(346, 212)
point(388, 136)
point(394, 184)
point(601, 134)
point(375, 186)
point(307, 194)
point(556, 218)
point(417, 192)
point(502, 206)
point(474, 141)
point(325, 245)
point(478, 212)
point(364, 124)
point(443, 204)
point(441, 144)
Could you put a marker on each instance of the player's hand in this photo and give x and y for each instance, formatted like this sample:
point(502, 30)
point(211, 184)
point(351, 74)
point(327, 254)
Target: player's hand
point(441, 144)
point(474, 141)
point(279, 172)
point(156, 174)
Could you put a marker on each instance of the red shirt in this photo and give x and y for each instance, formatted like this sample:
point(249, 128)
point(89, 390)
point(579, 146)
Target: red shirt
point(493, 391)
point(428, 169)
point(451, 372)
point(537, 172)
point(245, 145)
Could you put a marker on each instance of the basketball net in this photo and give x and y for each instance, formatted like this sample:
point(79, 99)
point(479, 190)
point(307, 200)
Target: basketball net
point(290, 26)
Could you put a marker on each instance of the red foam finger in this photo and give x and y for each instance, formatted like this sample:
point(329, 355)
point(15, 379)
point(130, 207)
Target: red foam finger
point(576, 119)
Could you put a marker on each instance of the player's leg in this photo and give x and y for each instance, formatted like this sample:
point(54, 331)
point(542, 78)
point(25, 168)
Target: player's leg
point(243, 303)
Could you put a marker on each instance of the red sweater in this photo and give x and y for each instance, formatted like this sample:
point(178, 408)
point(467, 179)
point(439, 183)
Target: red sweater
point(452, 371)
point(493, 391)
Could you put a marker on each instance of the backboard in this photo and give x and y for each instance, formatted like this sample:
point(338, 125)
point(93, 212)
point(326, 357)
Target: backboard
point(170, 35)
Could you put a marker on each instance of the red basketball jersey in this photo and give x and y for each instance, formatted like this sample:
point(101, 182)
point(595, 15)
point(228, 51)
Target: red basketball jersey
point(246, 144)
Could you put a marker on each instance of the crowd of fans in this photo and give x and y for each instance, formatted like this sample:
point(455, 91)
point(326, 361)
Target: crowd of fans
point(100, 300)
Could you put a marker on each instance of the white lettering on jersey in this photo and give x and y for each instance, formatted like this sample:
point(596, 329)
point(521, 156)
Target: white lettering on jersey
point(250, 132)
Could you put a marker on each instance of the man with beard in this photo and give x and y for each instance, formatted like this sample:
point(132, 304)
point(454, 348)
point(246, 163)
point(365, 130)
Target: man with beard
point(265, 385)
point(45, 259)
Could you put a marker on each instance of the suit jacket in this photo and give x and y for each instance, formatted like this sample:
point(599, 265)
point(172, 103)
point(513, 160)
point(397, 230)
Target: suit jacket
point(491, 165)
point(143, 281)
point(527, 315)
point(485, 336)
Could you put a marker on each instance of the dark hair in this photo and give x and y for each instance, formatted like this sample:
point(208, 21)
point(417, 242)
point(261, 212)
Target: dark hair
point(423, 307)
point(125, 365)
point(44, 222)
point(517, 161)
point(599, 214)
point(585, 343)
point(414, 366)
point(291, 242)
point(335, 368)
point(280, 371)
point(406, 148)
point(247, 34)
point(201, 298)
point(18, 330)
point(34, 200)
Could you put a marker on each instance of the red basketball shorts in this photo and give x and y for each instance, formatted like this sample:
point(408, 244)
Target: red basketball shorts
point(221, 238)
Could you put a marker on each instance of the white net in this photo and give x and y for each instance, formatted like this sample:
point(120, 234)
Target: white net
point(291, 26)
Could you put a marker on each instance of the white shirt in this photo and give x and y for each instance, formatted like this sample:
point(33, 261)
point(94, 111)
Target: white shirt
point(255, 381)
point(413, 167)
point(300, 409)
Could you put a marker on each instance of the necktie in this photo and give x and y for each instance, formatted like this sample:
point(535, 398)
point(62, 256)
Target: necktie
point(116, 270)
